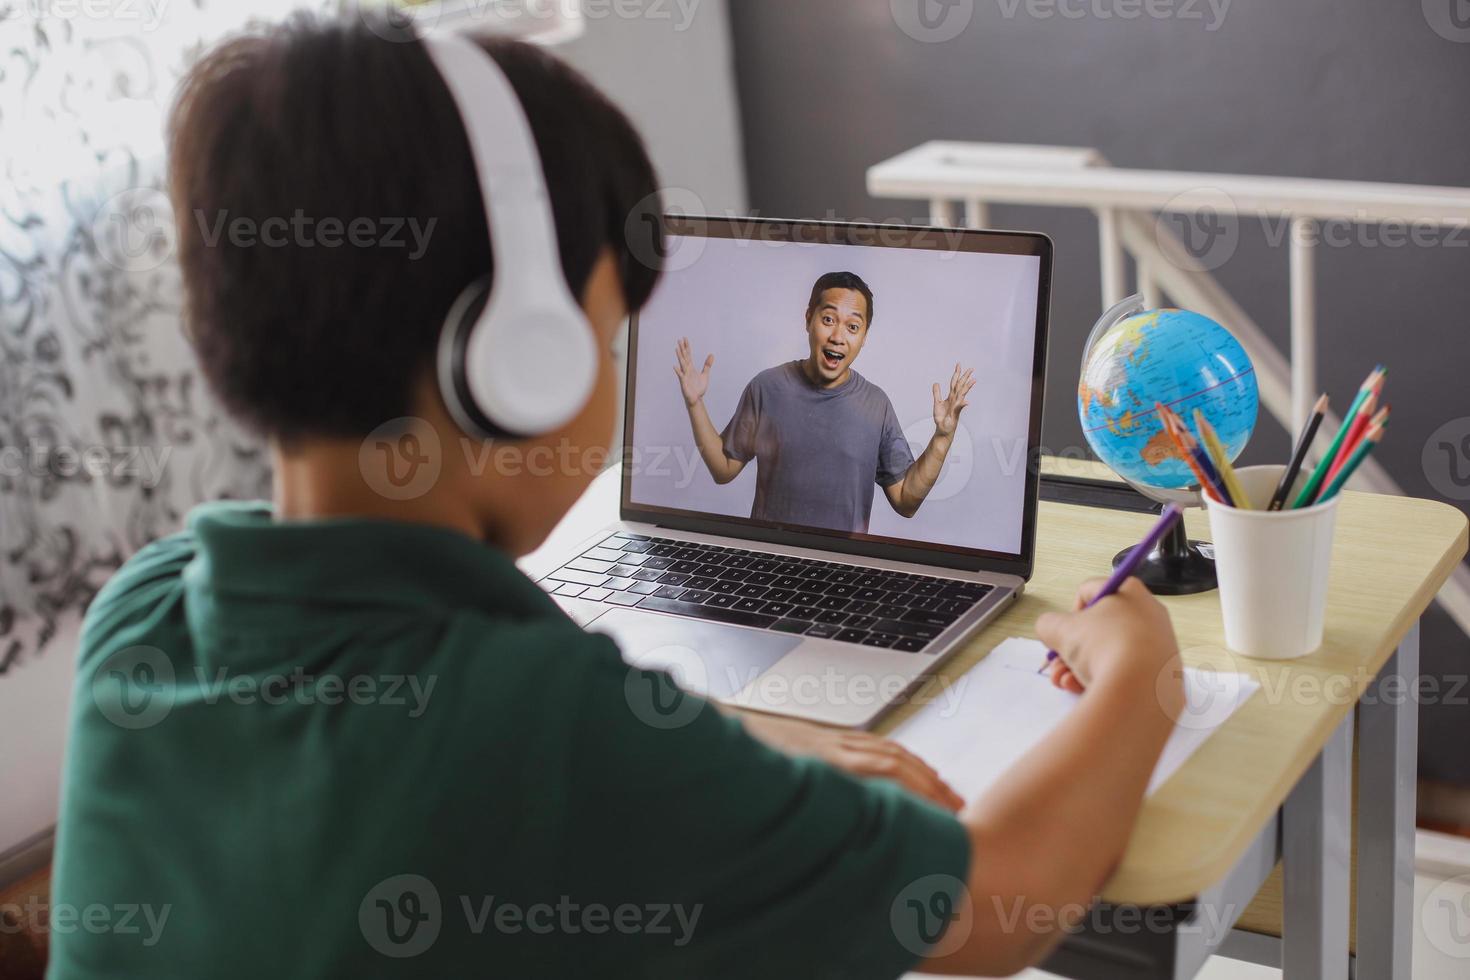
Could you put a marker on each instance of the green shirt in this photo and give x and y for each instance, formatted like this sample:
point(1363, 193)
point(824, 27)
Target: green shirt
point(353, 748)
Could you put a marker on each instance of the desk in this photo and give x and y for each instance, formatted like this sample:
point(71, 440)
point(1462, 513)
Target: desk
point(1275, 783)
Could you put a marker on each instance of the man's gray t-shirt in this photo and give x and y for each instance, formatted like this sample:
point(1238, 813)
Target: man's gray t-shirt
point(818, 451)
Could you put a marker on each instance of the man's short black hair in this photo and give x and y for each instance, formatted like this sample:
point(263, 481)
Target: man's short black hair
point(839, 280)
point(328, 120)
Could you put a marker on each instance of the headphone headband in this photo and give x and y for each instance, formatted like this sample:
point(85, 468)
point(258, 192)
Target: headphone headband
point(525, 362)
point(512, 179)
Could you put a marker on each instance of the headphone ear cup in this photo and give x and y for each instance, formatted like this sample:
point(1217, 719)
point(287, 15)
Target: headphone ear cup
point(454, 340)
point(515, 371)
point(531, 366)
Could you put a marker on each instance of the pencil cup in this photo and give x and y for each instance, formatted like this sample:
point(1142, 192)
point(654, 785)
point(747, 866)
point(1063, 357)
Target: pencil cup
point(1273, 569)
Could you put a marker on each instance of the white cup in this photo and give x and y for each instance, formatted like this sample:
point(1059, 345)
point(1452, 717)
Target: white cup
point(1273, 568)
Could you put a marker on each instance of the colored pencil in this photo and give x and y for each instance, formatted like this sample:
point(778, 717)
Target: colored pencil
point(1355, 429)
point(1299, 456)
point(1309, 492)
point(1202, 458)
point(1174, 426)
point(1351, 445)
point(1129, 565)
point(1220, 456)
point(1365, 446)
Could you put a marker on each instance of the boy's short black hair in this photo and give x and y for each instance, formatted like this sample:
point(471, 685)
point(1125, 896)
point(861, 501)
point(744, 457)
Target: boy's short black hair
point(328, 122)
point(839, 280)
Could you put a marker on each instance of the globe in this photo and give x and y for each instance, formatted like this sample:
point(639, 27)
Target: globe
point(1137, 358)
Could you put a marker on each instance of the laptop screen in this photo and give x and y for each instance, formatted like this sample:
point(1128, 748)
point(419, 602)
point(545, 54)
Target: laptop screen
point(867, 384)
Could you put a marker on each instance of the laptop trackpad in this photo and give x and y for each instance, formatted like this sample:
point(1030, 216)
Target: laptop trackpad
point(708, 659)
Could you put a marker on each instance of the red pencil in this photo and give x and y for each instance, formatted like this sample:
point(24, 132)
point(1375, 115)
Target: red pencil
point(1355, 426)
point(1355, 438)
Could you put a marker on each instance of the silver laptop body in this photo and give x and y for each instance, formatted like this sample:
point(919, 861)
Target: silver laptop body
point(833, 626)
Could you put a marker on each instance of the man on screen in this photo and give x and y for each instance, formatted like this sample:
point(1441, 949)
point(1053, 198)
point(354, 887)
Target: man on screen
point(821, 434)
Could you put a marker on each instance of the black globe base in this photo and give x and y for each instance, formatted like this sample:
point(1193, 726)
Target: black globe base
point(1175, 567)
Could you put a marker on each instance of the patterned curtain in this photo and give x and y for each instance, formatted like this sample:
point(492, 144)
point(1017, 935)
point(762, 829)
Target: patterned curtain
point(107, 436)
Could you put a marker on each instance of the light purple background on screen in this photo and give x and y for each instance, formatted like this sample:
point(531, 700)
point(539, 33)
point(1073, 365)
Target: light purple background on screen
point(745, 302)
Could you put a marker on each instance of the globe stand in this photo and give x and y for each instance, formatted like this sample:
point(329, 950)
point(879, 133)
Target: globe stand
point(1176, 567)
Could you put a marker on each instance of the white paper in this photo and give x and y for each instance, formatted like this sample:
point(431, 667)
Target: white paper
point(973, 735)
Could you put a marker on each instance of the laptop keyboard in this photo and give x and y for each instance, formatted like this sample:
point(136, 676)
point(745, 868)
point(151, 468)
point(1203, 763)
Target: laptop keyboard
point(824, 599)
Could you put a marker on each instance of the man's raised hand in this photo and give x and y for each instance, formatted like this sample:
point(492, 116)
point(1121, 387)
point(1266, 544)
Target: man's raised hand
point(694, 383)
point(947, 409)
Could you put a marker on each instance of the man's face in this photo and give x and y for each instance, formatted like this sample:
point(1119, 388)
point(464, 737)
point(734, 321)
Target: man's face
point(837, 329)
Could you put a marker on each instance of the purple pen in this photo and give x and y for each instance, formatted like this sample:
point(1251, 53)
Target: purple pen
point(1129, 565)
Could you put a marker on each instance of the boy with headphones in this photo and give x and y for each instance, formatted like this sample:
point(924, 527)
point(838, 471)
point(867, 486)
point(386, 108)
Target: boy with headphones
point(341, 734)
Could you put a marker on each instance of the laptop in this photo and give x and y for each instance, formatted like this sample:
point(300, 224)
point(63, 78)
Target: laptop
point(814, 520)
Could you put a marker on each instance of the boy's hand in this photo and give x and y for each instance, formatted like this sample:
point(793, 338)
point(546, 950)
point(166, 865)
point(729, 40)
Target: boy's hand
point(858, 753)
point(1126, 638)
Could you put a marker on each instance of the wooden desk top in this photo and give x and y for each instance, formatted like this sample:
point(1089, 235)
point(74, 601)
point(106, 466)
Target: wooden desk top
point(1392, 555)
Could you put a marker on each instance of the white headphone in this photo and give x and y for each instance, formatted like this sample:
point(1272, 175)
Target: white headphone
point(517, 358)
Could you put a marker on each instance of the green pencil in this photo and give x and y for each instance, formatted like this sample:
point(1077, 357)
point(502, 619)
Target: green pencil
point(1354, 461)
point(1309, 492)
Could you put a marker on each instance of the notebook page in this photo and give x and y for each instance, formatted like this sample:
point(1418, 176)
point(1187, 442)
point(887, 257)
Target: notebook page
point(1005, 708)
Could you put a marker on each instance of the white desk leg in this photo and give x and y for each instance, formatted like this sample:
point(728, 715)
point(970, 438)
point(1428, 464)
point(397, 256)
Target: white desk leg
point(1315, 855)
point(1388, 764)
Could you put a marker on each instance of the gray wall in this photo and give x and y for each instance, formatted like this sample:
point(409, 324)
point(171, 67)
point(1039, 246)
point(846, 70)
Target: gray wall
point(673, 74)
point(1362, 89)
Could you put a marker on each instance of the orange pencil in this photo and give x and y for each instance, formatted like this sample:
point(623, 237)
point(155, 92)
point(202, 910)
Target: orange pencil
point(1174, 426)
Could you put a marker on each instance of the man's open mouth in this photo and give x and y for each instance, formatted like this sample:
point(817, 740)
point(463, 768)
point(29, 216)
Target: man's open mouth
point(833, 359)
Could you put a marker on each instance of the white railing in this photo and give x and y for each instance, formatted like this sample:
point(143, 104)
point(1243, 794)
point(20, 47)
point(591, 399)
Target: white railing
point(1129, 205)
